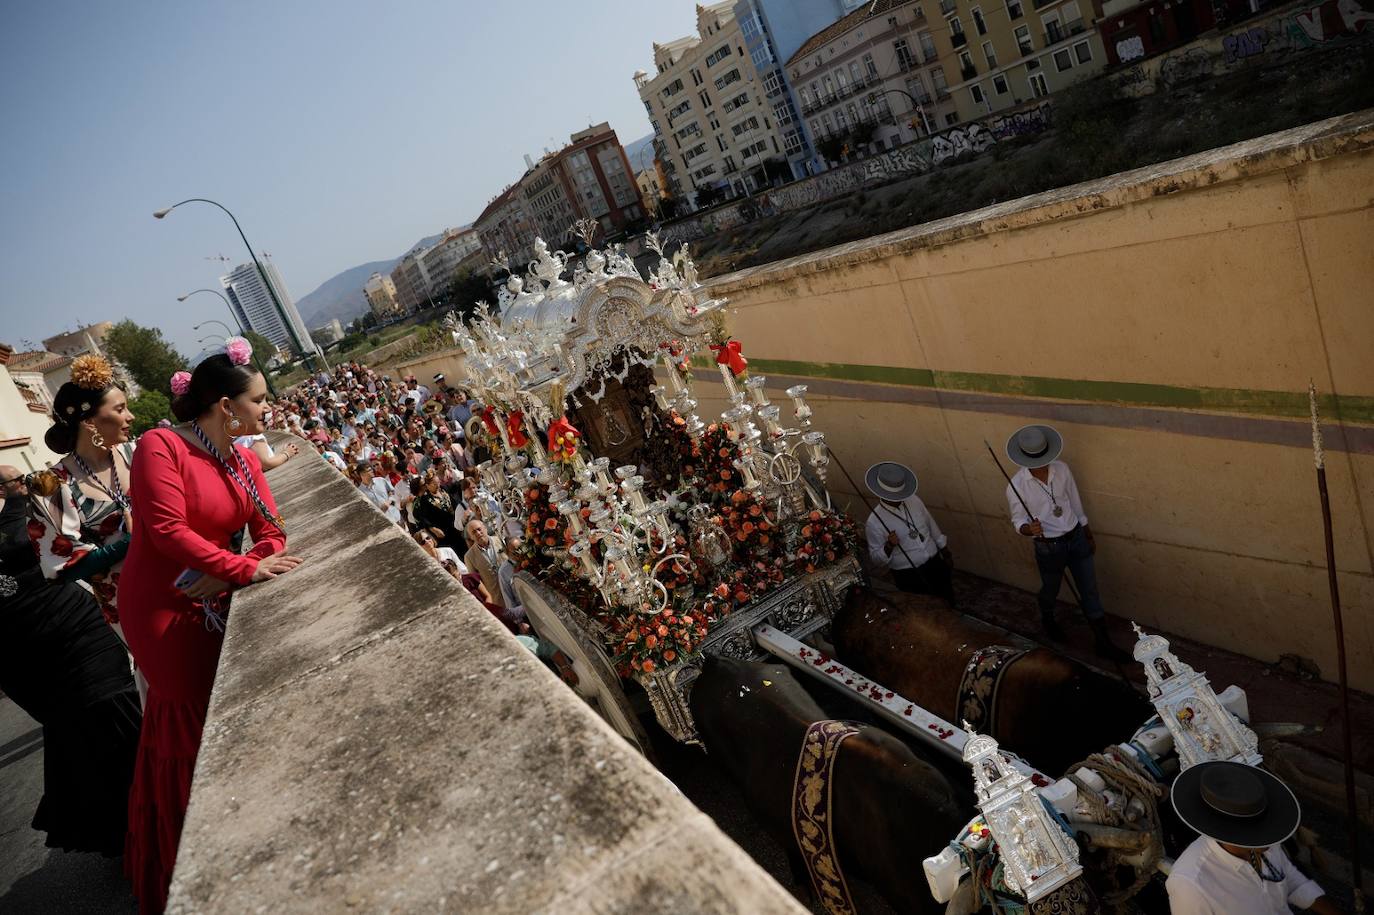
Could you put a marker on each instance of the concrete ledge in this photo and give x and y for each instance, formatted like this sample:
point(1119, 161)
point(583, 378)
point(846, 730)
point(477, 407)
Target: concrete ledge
point(377, 742)
point(1272, 152)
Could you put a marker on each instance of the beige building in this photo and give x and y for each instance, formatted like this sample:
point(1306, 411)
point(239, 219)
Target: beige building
point(42, 373)
point(1001, 53)
point(381, 295)
point(23, 420)
point(713, 124)
point(506, 227)
point(649, 188)
point(448, 256)
point(874, 79)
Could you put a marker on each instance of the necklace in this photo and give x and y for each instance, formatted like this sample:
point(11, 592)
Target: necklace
point(1049, 490)
point(116, 494)
point(1266, 871)
point(240, 476)
point(905, 518)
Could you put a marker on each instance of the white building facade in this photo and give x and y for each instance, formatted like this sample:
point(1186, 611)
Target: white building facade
point(253, 306)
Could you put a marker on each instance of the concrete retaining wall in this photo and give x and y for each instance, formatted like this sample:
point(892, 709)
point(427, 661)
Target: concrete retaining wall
point(377, 742)
point(1168, 321)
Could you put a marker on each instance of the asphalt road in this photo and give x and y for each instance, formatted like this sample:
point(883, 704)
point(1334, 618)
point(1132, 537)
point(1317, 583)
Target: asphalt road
point(34, 878)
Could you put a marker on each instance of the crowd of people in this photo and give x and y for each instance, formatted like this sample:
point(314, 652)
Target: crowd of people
point(412, 450)
point(118, 566)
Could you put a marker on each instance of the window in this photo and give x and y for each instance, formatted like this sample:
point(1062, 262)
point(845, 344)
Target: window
point(951, 119)
point(717, 55)
point(1082, 52)
point(978, 22)
point(989, 55)
point(713, 121)
point(927, 46)
point(791, 141)
point(696, 77)
point(869, 66)
point(705, 99)
point(966, 65)
point(731, 77)
point(692, 128)
point(842, 81)
point(762, 56)
point(917, 89)
point(782, 112)
point(671, 89)
point(976, 92)
point(999, 84)
point(805, 98)
point(955, 26)
point(841, 121)
point(855, 75)
point(1023, 39)
point(748, 26)
point(904, 59)
point(937, 79)
point(1014, 10)
point(751, 123)
point(685, 106)
point(1037, 85)
point(1054, 32)
point(737, 102)
point(1062, 61)
point(772, 84)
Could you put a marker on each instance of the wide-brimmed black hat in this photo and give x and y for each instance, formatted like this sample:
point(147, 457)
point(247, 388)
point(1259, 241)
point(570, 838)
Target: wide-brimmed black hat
point(891, 481)
point(1035, 446)
point(1236, 804)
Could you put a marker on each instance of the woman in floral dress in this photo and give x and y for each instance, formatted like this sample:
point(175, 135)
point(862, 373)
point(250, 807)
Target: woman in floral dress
point(80, 509)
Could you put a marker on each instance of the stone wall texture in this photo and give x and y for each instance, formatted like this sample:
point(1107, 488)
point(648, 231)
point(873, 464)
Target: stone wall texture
point(1167, 321)
point(377, 742)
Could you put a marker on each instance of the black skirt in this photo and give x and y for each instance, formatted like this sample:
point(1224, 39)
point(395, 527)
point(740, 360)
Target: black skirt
point(62, 664)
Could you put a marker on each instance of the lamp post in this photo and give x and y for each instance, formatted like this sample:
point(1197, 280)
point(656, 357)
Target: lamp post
point(917, 106)
point(242, 331)
point(271, 290)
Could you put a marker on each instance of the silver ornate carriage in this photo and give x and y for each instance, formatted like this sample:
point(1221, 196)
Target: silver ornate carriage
point(554, 345)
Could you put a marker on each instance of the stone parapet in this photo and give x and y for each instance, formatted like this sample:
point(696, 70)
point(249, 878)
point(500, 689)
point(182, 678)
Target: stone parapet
point(377, 742)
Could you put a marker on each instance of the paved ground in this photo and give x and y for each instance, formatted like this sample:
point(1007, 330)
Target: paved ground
point(35, 879)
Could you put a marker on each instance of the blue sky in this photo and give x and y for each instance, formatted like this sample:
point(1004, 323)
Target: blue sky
point(337, 132)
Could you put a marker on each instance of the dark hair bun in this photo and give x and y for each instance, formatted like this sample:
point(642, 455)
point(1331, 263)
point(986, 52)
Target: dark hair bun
point(60, 437)
point(215, 377)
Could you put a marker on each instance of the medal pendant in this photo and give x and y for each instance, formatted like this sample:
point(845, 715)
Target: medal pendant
point(1058, 511)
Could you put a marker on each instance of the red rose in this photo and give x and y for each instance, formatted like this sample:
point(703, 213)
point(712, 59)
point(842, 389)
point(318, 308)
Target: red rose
point(36, 530)
point(61, 545)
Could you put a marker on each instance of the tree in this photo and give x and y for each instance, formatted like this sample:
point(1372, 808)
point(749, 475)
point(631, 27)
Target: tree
point(467, 290)
point(148, 407)
point(831, 148)
point(263, 349)
point(150, 359)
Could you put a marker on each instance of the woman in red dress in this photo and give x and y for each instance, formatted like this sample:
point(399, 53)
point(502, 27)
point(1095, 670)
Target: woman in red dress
point(192, 489)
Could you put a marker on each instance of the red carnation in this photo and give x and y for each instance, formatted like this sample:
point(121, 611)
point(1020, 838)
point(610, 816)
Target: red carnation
point(36, 530)
point(61, 545)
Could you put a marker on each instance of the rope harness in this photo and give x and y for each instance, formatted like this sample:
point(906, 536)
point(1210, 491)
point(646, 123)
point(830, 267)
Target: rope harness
point(1130, 781)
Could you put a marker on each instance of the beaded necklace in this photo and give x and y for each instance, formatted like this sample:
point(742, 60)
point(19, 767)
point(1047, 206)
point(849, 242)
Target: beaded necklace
point(1049, 491)
point(117, 495)
point(240, 476)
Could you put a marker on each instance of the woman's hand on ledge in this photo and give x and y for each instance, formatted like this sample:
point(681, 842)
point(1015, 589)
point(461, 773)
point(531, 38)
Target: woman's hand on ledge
point(206, 586)
point(274, 565)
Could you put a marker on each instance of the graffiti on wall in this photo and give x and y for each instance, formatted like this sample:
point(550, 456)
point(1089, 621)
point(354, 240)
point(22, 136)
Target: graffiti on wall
point(1325, 24)
point(964, 140)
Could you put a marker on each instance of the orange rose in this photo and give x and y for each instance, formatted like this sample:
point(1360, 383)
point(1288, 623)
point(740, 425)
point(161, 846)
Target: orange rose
point(663, 632)
point(551, 524)
point(648, 667)
point(670, 655)
point(651, 641)
point(815, 515)
point(741, 536)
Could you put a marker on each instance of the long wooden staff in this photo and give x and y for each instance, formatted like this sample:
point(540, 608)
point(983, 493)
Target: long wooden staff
point(876, 513)
point(1319, 458)
point(1068, 579)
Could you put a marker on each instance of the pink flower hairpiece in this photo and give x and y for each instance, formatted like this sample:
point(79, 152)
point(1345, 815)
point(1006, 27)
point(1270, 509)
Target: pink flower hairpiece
point(181, 383)
point(239, 350)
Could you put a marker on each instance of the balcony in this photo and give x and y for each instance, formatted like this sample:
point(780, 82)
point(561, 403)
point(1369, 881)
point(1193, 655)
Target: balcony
point(968, 72)
point(906, 64)
point(1054, 34)
point(958, 39)
point(941, 93)
point(947, 7)
point(1075, 27)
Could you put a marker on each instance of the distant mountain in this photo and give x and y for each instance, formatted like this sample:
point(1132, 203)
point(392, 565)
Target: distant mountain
point(635, 148)
point(341, 296)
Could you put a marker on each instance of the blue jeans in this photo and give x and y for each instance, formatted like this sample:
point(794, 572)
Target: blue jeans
point(1071, 552)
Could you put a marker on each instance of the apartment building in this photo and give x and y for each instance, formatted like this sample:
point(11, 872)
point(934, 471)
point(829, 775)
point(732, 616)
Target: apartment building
point(506, 228)
point(873, 79)
point(714, 125)
point(253, 305)
point(1001, 53)
point(380, 290)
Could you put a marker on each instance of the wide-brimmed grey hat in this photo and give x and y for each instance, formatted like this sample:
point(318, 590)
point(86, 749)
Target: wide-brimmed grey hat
point(1035, 446)
point(890, 480)
point(1236, 804)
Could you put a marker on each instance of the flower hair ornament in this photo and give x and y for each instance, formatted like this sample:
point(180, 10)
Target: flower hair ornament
point(92, 373)
point(239, 350)
point(181, 383)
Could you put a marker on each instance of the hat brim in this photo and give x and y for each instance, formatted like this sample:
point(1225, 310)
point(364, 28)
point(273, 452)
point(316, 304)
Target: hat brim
point(1276, 824)
point(908, 487)
point(1022, 459)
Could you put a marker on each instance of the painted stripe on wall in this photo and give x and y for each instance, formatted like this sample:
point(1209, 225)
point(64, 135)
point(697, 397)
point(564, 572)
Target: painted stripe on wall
point(1351, 408)
point(1260, 430)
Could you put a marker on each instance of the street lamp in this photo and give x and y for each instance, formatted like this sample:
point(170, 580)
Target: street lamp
point(917, 106)
point(228, 332)
point(271, 290)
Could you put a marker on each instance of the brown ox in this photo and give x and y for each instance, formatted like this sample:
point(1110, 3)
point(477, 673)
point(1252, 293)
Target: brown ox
point(890, 808)
point(1051, 710)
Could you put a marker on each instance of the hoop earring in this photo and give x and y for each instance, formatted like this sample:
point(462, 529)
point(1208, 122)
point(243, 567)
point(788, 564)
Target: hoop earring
point(97, 439)
point(232, 425)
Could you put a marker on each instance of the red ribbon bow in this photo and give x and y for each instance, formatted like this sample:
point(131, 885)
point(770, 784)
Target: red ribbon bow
point(732, 354)
point(515, 428)
point(562, 439)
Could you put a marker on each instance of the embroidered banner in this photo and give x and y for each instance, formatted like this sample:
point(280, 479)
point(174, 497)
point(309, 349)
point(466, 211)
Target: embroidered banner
point(812, 820)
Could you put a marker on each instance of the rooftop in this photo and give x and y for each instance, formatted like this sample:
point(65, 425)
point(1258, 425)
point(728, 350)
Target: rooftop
point(843, 25)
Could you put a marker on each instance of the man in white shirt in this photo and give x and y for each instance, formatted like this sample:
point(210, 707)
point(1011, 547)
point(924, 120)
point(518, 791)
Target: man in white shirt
point(1237, 865)
point(903, 537)
point(1059, 526)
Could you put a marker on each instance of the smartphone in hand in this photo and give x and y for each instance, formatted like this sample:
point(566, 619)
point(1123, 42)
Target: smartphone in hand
point(187, 578)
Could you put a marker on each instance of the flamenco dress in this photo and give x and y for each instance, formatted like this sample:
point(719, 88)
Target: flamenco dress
point(186, 510)
point(61, 663)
